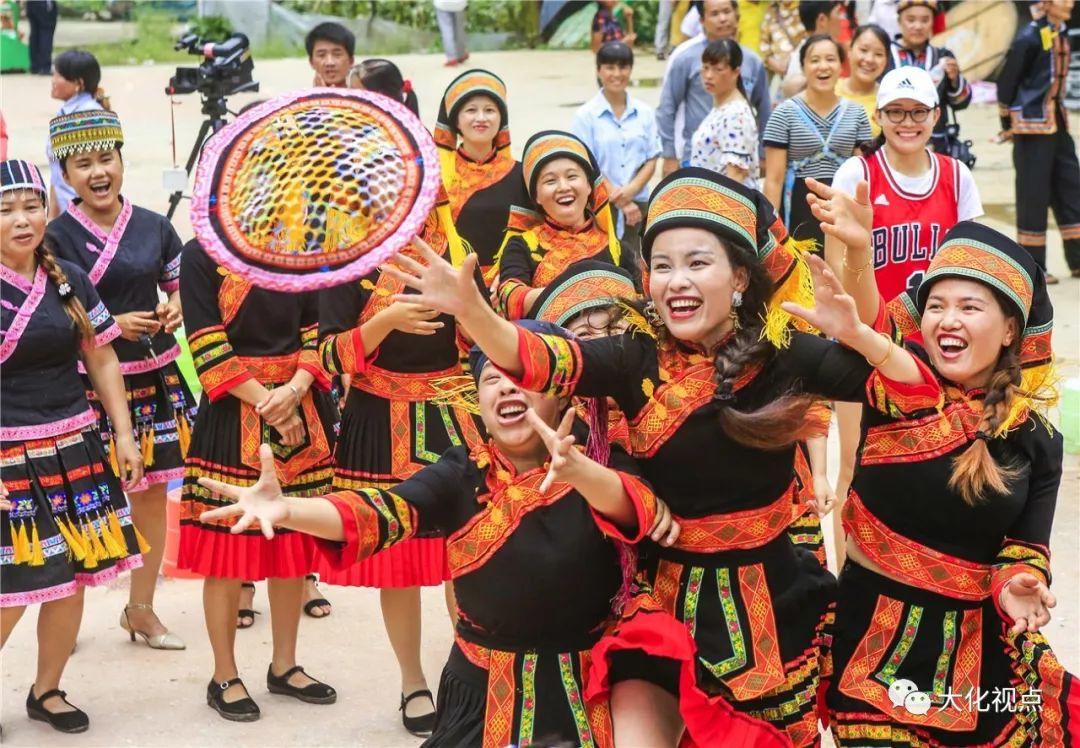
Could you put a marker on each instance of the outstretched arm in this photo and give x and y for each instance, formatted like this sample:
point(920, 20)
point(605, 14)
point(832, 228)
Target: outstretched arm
point(835, 315)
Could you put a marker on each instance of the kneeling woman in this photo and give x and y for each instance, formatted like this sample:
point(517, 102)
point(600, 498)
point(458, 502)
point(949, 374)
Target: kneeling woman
point(511, 512)
point(949, 516)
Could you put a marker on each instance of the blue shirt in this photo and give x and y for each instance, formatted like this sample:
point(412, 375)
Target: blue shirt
point(80, 102)
point(621, 145)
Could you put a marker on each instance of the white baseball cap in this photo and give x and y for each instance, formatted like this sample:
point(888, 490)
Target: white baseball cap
point(907, 83)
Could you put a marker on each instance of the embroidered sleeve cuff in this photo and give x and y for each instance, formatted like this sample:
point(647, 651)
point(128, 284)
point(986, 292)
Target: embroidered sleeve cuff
point(1001, 578)
point(217, 382)
point(511, 299)
point(106, 336)
point(344, 353)
point(898, 399)
point(898, 318)
point(357, 517)
point(549, 363)
point(644, 502)
point(818, 418)
point(309, 361)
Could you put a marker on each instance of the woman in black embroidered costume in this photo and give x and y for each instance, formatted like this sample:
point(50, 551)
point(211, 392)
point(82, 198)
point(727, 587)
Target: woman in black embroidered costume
point(937, 639)
point(525, 505)
point(719, 377)
point(481, 177)
point(130, 253)
point(256, 354)
point(569, 220)
point(64, 521)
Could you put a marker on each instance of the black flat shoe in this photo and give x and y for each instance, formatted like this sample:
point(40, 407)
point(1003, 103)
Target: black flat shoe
point(423, 725)
point(243, 710)
point(75, 721)
point(313, 693)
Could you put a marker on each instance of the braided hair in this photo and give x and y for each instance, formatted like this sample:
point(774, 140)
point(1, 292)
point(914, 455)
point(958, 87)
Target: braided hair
point(975, 471)
point(782, 422)
point(72, 305)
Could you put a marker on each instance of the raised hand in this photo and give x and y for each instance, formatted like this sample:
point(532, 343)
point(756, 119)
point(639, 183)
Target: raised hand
point(441, 286)
point(1027, 600)
point(263, 502)
point(560, 444)
point(843, 217)
point(834, 311)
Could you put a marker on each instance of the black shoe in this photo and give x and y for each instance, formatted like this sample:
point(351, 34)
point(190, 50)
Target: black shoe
point(243, 710)
point(421, 726)
point(313, 693)
point(75, 721)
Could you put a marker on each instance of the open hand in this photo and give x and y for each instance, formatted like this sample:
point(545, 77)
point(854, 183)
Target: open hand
point(834, 311)
point(411, 318)
point(1027, 600)
point(442, 286)
point(262, 502)
point(666, 528)
point(844, 217)
point(560, 444)
point(133, 325)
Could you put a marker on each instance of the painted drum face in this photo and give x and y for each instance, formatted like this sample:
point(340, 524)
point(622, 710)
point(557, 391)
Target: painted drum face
point(314, 189)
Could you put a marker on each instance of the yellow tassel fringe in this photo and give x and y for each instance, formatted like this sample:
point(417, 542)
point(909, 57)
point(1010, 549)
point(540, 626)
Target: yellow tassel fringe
point(22, 545)
point(37, 553)
point(797, 287)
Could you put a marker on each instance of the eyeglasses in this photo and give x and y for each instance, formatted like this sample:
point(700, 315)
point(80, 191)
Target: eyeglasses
point(918, 116)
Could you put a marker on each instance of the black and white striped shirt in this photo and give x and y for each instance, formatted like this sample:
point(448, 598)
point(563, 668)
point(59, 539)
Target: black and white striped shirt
point(788, 129)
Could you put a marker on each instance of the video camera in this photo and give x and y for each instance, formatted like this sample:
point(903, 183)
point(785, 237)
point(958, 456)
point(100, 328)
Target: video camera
point(226, 68)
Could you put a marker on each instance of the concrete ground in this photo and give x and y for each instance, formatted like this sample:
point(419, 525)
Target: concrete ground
point(139, 697)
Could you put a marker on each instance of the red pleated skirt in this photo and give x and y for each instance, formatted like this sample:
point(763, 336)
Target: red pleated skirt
point(419, 562)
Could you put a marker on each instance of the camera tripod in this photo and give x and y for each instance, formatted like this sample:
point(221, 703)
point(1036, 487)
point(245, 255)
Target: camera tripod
point(215, 111)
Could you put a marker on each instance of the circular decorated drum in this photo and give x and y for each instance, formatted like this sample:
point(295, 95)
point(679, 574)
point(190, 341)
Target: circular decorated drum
point(314, 189)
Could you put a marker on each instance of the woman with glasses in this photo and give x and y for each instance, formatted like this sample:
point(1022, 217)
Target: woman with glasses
point(917, 195)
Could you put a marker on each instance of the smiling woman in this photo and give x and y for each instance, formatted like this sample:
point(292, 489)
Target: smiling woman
point(130, 255)
point(570, 220)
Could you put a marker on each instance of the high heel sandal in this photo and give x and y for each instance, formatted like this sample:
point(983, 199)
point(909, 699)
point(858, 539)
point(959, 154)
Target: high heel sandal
point(75, 721)
point(241, 710)
point(316, 602)
point(246, 612)
point(168, 640)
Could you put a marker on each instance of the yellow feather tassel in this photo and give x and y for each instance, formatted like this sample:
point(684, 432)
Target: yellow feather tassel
point(112, 457)
point(22, 545)
point(71, 536)
point(115, 529)
point(148, 447)
point(183, 431)
point(91, 559)
point(796, 287)
point(101, 553)
point(37, 553)
point(144, 547)
point(114, 549)
point(458, 391)
point(1037, 393)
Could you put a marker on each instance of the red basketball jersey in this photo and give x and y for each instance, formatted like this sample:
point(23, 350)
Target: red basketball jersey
point(908, 227)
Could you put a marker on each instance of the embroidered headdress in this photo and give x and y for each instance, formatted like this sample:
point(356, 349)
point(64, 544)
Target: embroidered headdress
point(16, 174)
point(743, 217)
point(975, 252)
point(467, 85)
point(85, 132)
point(585, 285)
point(542, 148)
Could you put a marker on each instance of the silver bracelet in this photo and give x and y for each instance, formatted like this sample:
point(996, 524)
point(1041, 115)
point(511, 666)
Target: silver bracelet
point(295, 392)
